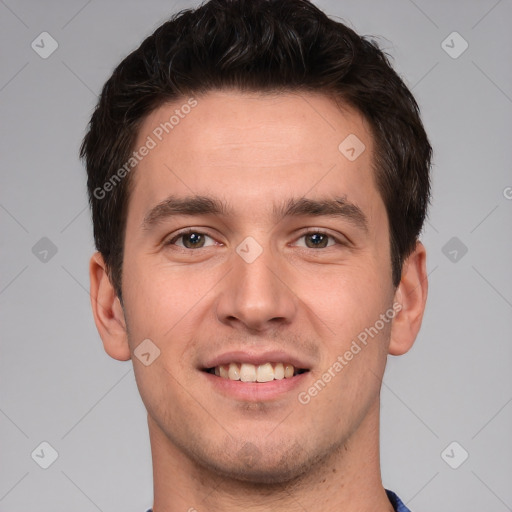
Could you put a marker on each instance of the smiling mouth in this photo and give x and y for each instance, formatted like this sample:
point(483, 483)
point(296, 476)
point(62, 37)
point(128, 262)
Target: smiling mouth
point(246, 372)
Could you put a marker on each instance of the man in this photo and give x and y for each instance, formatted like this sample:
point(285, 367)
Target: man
point(259, 176)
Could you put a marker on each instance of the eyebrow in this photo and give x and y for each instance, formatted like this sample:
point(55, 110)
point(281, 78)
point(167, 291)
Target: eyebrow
point(338, 207)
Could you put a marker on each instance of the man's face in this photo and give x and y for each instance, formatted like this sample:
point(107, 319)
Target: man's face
point(253, 286)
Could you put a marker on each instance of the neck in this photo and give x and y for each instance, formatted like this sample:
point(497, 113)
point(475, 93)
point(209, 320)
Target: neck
point(347, 479)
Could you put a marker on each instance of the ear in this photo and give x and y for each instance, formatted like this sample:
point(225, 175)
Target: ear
point(107, 310)
point(411, 295)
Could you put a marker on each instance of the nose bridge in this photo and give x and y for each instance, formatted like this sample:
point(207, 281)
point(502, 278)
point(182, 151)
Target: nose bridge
point(254, 292)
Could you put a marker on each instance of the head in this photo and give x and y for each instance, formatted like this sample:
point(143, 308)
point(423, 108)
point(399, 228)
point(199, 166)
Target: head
point(248, 115)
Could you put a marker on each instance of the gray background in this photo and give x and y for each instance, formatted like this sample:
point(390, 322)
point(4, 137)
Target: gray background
point(57, 385)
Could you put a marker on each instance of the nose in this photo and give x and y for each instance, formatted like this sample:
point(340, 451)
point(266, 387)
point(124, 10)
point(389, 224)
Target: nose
point(256, 293)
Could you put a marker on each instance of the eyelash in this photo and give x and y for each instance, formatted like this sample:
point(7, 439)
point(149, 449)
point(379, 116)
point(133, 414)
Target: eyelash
point(195, 231)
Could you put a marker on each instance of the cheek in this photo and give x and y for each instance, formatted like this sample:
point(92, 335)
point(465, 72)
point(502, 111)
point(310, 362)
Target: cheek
point(347, 296)
point(168, 305)
point(159, 297)
point(347, 304)
point(161, 310)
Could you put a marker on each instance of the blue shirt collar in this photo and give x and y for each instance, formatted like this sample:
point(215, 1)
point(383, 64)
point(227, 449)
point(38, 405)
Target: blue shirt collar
point(396, 502)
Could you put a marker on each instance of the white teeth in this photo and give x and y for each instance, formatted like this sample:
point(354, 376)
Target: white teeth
point(250, 373)
point(234, 372)
point(288, 371)
point(265, 373)
point(247, 372)
point(279, 371)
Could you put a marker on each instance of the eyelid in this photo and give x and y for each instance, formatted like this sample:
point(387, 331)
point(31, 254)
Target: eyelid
point(340, 239)
point(176, 236)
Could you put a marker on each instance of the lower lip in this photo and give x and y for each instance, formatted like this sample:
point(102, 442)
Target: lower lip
point(255, 391)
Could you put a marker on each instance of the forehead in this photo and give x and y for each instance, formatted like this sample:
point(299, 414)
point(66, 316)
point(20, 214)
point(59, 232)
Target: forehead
point(228, 123)
point(255, 149)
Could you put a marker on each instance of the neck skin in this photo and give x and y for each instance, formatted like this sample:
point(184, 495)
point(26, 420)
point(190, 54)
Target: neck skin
point(348, 480)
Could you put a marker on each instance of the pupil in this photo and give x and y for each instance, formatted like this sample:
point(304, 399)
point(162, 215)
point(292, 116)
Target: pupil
point(192, 239)
point(317, 239)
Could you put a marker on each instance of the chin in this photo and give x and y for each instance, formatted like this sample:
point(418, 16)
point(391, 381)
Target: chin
point(262, 466)
point(262, 474)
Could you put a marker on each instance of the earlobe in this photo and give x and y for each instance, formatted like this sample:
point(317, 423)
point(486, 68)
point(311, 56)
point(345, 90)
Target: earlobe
point(410, 300)
point(107, 311)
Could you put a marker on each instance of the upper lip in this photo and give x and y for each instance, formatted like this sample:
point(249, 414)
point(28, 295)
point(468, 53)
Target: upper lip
point(256, 358)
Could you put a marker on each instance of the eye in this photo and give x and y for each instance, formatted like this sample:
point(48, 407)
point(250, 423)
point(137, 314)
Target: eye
point(190, 239)
point(317, 240)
